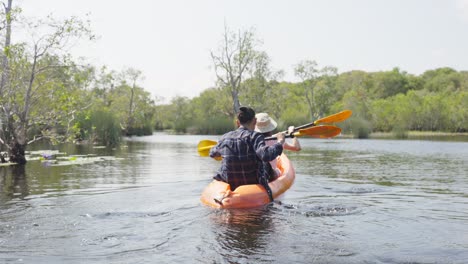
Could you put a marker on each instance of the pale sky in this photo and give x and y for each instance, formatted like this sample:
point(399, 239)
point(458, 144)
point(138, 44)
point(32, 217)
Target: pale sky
point(170, 41)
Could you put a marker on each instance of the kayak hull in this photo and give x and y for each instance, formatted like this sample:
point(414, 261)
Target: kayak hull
point(218, 194)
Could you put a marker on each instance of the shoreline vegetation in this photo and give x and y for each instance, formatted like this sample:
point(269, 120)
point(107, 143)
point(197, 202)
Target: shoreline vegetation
point(417, 135)
point(409, 135)
point(70, 101)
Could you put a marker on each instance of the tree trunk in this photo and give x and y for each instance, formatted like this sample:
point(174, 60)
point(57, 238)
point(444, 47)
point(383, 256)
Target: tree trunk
point(19, 142)
point(130, 131)
point(236, 103)
point(6, 47)
point(17, 153)
point(5, 78)
point(310, 102)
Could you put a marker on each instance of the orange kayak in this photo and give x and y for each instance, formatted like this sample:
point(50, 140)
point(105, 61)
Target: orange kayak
point(218, 194)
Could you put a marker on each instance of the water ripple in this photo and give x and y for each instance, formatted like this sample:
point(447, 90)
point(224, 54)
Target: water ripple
point(320, 210)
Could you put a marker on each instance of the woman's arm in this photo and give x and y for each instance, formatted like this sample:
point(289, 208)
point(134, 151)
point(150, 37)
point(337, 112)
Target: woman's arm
point(294, 146)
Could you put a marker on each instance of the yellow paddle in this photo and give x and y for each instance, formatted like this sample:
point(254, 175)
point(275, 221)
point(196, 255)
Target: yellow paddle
point(204, 146)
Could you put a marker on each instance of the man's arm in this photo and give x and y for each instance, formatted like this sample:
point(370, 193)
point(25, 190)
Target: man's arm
point(214, 153)
point(264, 152)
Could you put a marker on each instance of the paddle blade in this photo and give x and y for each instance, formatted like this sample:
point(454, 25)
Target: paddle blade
point(204, 147)
point(338, 117)
point(319, 132)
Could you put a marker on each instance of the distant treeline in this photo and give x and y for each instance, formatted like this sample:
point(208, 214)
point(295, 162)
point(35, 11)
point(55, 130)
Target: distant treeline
point(388, 101)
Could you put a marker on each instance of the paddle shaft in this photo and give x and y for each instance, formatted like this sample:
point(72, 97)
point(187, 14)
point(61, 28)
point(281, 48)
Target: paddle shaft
point(315, 131)
point(338, 117)
point(304, 126)
point(273, 138)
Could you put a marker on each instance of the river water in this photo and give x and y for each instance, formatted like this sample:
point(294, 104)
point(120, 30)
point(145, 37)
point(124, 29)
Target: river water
point(353, 201)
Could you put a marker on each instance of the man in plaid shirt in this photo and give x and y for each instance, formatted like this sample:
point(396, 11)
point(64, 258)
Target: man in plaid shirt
point(243, 151)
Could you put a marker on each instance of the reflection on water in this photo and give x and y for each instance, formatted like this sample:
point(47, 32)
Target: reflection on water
point(353, 201)
point(13, 183)
point(242, 233)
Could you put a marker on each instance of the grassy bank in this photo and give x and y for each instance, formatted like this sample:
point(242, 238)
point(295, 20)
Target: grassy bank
point(417, 135)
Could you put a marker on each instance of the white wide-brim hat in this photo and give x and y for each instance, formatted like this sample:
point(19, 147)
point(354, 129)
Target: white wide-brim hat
point(265, 123)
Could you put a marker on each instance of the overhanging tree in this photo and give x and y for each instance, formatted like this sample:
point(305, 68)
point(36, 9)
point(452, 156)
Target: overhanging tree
point(27, 70)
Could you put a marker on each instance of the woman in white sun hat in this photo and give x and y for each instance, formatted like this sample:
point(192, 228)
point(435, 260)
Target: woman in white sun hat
point(266, 125)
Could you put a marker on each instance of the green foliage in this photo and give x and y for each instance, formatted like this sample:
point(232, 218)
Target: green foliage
point(143, 130)
point(400, 132)
point(293, 116)
point(180, 114)
point(386, 84)
point(162, 118)
point(316, 84)
point(353, 80)
point(212, 103)
point(325, 94)
point(457, 107)
point(421, 110)
point(383, 117)
point(99, 126)
point(360, 128)
point(393, 101)
point(142, 114)
point(442, 79)
point(212, 126)
point(359, 102)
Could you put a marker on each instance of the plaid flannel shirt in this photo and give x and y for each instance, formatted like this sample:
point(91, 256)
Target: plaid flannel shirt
point(243, 152)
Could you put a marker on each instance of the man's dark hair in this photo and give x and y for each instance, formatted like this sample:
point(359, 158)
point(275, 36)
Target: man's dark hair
point(245, 114)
